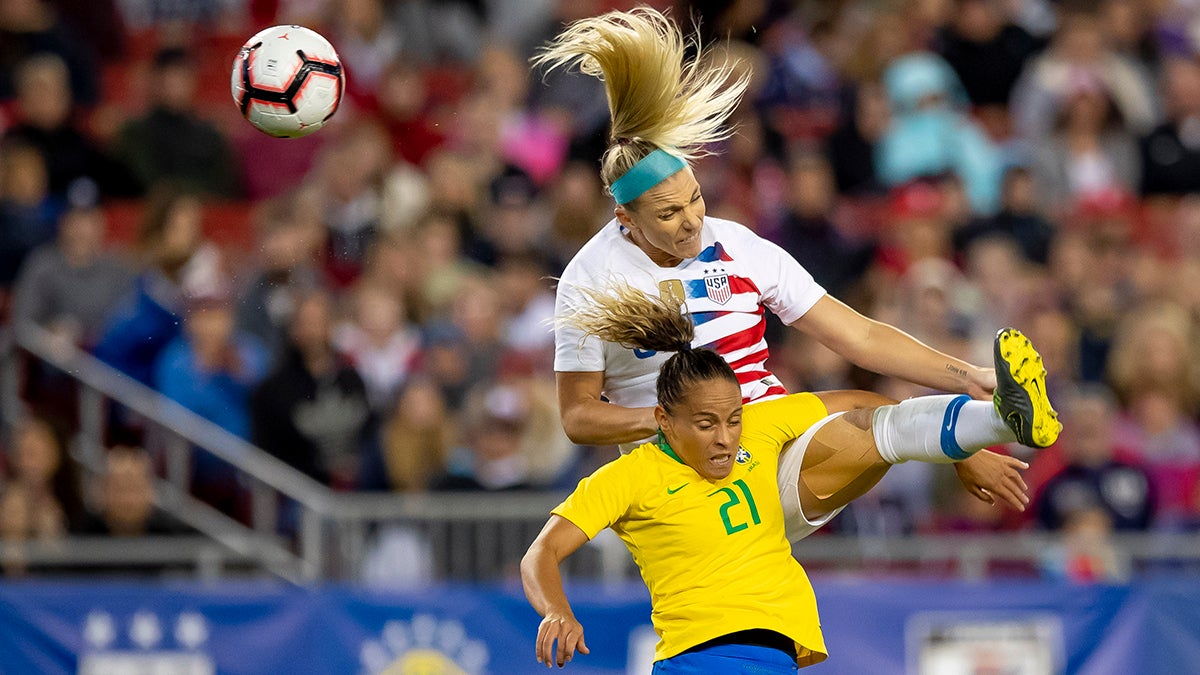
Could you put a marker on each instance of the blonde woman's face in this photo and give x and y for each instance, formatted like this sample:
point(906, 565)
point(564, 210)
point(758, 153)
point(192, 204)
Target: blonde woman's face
point(666, 221)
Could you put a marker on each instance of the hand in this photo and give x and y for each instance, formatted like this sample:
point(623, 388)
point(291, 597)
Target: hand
point(981, 382)
point(569, 634)
point(990, 476)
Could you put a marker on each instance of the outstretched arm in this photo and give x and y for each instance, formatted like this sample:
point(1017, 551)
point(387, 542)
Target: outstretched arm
point(991, 477)
point(544, 589)
point(590, 421)
point(887, 350)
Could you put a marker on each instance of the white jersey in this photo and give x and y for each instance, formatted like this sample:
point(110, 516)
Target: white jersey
point(726, 287)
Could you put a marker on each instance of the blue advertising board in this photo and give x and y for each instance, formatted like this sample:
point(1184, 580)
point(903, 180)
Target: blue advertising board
point(127, 628)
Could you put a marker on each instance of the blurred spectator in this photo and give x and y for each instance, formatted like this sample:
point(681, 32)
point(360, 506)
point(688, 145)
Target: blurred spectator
point(413, 444)
point(289, 235)
point(1079, 48)
point(403, 102)
point(528, 138)
point(474, 328)
point(178, 264)
point(456, 188)
point(928, 301)
point(495, 420)
point(178, 18)
point(435, 266)
point(869, 43)
point(45, 120)
point(29, 27)
point(440, 31)
point(810, 235)
point(793, 70)
point(851, 147)
point(1057, 340)
point(210, 369)
point(1086, 469)
point(579, 208)
point(27, 212)
point(98, 24)
point(379, 342)
point(367, 40)
point(986, 50)
point(71, 286)
point(1153, 368)
point(126, 507)
point(312, 411)
point(1019, 219)
point(1155, 347)
point(20, 522)
point(803, 364)
point(527, 301)
point(1089, 152)
point(1171, 152)
point(930, 133)
point(349, 181)
point(515, 222)
point(47, 477)
point(1001, 290)
point(1086, 553)
point(919, 227)
point(170, 142)
point(1129, 29)
point(901, 504)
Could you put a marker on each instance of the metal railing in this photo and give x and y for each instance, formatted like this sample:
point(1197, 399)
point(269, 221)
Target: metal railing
point(166, 555)
point(463, 536)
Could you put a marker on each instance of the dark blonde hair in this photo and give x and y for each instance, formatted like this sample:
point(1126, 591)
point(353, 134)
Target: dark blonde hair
point(637, 320)
point(658, 96)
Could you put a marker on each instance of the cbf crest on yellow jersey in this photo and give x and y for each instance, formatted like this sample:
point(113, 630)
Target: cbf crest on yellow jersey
point(713, 553)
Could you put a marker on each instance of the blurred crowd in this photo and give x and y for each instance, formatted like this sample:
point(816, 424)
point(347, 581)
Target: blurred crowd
point(369, 304)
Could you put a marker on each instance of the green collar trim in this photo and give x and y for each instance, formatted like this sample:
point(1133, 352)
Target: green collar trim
point(666, 448)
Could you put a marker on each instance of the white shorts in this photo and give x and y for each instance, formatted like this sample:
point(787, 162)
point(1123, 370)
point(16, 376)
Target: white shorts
point(790, 460)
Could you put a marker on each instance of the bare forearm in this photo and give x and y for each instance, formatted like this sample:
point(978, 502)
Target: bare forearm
point(543, 582)
point(595, 422)
point(889, 351)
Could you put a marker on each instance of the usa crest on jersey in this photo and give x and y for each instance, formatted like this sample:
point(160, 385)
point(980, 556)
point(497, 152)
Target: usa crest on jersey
point(716, 286)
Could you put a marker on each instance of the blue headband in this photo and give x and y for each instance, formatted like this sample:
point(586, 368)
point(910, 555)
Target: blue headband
point(650, 170)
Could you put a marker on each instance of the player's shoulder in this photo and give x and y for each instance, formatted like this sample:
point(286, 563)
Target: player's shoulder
point(734, 241)
point(729, 228)
point(784, 409)
point(628, 473)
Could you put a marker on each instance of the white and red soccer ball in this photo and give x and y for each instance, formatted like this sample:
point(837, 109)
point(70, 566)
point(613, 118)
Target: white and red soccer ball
point(287, 81)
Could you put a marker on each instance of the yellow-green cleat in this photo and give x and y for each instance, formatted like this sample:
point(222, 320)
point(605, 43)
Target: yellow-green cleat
point(1020, 396)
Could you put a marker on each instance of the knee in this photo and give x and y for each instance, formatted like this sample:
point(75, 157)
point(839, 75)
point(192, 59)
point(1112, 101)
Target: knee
point(860, 417)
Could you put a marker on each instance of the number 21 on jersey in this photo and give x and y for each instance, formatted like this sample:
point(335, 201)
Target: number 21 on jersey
point(734, 518)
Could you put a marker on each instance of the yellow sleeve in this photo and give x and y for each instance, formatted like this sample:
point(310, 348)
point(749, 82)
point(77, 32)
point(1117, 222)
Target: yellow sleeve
point(602, 498)
point(778, 421)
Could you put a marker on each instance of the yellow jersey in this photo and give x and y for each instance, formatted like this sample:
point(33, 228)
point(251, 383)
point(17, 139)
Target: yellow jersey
point(713, 553)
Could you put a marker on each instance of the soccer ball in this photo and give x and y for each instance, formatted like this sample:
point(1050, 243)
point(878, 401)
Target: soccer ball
point(287, 81)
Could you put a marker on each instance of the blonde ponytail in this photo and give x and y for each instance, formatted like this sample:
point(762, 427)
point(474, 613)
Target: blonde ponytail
point(657, 97)
point(635, 319)
point(631, 318)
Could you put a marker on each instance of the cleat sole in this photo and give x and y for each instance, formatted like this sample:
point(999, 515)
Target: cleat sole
point(1029, 372)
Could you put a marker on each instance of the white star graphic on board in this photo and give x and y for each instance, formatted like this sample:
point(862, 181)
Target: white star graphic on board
point(191, 630)
point(145, 630)
point(99, 630)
